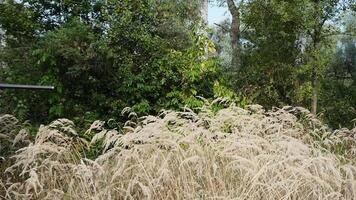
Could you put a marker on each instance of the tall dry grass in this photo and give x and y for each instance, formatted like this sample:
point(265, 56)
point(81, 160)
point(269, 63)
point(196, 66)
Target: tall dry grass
point(232, 154)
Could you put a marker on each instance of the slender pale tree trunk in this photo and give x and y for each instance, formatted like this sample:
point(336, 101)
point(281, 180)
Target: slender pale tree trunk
point(315, 74)
point(318, 24)
point(315, 95)
point(235, 36)
point(204, 10)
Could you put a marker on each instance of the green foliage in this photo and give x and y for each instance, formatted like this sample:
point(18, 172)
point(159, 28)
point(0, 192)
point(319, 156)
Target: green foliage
point(287, 46)
point(102, 56)
point(338, 103)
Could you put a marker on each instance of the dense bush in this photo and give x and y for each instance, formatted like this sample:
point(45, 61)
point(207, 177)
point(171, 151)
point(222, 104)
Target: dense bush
point(338, 103)
point(102, 57)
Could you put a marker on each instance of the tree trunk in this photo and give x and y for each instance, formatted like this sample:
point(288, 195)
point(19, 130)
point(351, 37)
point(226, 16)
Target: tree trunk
point(204, 11)
point(235, 45)
point(315, 94)
point(316, 40)
point(235, 36)
point(204, 6)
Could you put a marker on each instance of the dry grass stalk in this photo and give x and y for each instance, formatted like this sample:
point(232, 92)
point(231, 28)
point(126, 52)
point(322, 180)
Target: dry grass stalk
point(232, 154)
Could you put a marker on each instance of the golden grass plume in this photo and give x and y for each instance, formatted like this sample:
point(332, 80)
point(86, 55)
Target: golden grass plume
point(233, 153)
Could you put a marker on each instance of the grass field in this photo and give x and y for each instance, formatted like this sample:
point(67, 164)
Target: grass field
point(232, 153)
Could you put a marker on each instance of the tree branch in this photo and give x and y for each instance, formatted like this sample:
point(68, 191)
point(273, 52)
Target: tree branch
point(222, 27)
point(233, 8)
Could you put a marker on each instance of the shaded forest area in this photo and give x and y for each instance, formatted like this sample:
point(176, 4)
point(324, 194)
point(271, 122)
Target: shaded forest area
point(103, 56)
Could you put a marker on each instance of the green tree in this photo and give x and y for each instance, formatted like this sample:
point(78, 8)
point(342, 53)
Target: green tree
point(271, 50)
point(338, 87)
point(287, 48)
point(103, 56)
point(234, 8)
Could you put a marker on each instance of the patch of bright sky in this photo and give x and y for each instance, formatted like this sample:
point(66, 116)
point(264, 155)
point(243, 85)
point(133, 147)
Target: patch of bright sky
point(217, 14)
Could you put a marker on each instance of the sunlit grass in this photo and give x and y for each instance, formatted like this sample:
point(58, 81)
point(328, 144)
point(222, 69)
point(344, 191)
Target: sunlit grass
point(233, 153)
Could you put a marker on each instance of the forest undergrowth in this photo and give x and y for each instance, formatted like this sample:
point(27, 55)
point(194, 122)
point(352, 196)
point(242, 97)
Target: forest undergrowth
point(228, 153)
